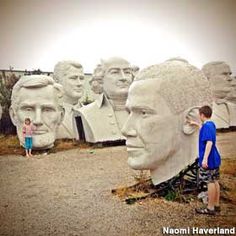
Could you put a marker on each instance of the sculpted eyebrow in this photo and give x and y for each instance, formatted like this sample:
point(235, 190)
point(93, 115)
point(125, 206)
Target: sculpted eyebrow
point(26, 104)
point(140, 108)
point(48, 105)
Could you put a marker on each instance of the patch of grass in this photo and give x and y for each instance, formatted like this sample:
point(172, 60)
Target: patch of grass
point(228, 180)
point(10, 145)
point(228, 166)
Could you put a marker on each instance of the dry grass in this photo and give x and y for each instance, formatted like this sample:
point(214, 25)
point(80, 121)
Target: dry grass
point(11, 145)
point(228, 179)
point(228, 166)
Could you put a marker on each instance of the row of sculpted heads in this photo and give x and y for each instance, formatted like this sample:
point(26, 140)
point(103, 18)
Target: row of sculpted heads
point(111, 79)
point(37, 97)
point(149, 110)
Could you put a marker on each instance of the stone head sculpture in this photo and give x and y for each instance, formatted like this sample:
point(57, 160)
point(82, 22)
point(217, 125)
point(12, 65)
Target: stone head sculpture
point(111, 81)
point(39, 98)
point(71, 76)
point(113, 77)
point(160, 101)
point(222, 83)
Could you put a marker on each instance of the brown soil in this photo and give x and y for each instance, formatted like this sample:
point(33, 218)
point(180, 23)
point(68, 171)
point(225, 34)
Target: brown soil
point(69, 193)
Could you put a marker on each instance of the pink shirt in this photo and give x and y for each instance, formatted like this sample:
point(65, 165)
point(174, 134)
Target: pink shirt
point(28, 130)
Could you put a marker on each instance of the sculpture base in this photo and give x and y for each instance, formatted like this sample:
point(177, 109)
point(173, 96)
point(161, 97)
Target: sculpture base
point(186, 182)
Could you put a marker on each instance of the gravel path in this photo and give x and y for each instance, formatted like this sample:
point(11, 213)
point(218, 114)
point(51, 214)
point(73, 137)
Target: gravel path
point(69, 193)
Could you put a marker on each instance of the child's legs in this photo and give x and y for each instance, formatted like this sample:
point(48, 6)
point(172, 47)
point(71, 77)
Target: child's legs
point(30, 145)
point(211, 190)
point(26, 152)
point(211, 177)
point(217, 195)
point(26, 146)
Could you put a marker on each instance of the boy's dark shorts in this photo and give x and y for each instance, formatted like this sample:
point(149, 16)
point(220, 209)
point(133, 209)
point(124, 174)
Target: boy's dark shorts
point(209, 176)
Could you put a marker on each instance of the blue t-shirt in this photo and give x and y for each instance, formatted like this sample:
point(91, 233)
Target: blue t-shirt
point(208, 133)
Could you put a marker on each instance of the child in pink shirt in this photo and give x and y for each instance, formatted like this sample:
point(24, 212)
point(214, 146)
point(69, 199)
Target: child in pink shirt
point(28, 129)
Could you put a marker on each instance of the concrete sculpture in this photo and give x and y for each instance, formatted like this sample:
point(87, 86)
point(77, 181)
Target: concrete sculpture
point(104, 118)
point(224, 93)
point(71, 76)
point(39, 98)
point(161, 100)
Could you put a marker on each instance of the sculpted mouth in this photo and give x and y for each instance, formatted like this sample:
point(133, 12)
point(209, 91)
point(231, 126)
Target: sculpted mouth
point(78, 90)
point(131, 148)
point(123, 85)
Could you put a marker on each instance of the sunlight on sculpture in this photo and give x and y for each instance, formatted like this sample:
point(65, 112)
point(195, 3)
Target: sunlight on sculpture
point(104, 118)
point(223, 86)
point(39, 98)
point(160, 100)
point(71, 76)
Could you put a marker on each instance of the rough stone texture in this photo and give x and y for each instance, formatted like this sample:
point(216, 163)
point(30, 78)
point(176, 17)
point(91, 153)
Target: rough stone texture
point(39, 98)
point(160, 100)
point(224, 92)
point(104, 118)
point(71, 76)
point(69, 193)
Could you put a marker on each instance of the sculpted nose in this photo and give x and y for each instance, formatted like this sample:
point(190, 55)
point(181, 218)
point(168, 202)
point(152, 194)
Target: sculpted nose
point(128, 129)
point(123, 76)
point(38, 118)
point(78, 82)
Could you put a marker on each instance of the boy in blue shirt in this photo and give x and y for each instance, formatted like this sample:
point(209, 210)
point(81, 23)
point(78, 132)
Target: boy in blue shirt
point(209, 161)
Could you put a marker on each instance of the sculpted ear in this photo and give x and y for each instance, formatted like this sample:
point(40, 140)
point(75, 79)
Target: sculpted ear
point(191, 116)
point(13, 116)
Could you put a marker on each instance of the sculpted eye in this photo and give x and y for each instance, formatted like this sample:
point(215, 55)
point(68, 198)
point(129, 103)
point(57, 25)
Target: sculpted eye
point(127, 72)
point(48, 109)
point(73, 77)
point(144, 113)
point(113, 72)
point(27, 108)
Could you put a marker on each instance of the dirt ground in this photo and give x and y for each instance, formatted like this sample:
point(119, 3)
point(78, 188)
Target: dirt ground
point(69, 193)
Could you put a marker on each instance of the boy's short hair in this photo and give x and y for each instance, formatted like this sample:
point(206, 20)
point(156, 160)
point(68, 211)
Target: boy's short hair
point(206, 111)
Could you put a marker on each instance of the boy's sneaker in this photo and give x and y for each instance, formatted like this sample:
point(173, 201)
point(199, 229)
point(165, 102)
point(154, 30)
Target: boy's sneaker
point(205, 210)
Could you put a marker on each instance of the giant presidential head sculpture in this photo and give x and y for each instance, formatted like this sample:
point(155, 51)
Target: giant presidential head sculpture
point(103, 119)
point(223, 86)
point(39, 98)
point(160, 102)
point(71, 76)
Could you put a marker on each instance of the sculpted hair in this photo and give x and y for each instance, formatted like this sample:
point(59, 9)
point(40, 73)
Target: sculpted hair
point(182, 85)
point(62, 68)
point(214, 68)
point(35, 81)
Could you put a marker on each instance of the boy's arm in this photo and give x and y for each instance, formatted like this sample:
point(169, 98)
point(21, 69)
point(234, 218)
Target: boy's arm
point(206, 154)
point(193, 122)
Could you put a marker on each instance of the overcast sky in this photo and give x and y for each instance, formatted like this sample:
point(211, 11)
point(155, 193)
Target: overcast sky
point(38, 33)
